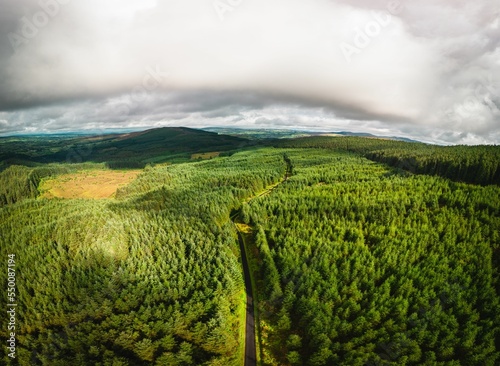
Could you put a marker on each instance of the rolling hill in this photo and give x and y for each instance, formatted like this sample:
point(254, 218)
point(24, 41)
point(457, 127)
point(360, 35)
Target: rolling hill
point(132, 150)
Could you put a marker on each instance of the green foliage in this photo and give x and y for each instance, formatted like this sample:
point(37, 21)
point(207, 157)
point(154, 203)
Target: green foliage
point(20, 182)
point(119, 151)
point(358, 263)
point(361, 264)
point(471, 164)
point(152, 277)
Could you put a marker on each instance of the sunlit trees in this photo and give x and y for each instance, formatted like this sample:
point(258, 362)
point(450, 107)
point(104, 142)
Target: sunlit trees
point(376, 265)
point(472, 164)
point(152, 277)
point(358, 263)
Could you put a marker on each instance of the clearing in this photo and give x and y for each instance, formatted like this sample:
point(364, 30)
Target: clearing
point(97, 184)
point(204, 156)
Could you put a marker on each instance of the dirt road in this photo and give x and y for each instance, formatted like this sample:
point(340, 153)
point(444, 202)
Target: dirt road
point(250, 353)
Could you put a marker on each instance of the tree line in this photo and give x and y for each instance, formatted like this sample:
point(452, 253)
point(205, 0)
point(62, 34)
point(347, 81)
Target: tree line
point(471, 164)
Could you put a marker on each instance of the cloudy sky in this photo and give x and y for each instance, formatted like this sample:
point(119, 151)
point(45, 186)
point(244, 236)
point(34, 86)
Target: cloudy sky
point(428, 70)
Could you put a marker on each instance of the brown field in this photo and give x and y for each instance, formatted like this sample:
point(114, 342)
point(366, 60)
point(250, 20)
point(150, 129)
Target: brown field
point(96, 184)
point(204, 156)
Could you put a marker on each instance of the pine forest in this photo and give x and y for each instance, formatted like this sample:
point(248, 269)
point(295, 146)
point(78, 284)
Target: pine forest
point(361, 252)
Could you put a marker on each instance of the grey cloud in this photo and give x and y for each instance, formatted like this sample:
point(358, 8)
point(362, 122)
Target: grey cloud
point(424, 74)
point(97, 115)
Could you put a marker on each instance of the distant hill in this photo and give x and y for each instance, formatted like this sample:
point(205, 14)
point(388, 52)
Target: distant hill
point(258, 133)
point(134, 149)
point(172, 139)
point(369, 135)
point(264, 133)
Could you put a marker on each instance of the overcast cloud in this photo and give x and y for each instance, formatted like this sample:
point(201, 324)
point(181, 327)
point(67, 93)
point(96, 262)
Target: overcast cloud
point(428, 70)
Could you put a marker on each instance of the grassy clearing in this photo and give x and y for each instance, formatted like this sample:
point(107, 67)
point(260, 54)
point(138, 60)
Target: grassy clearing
point(205, 156)
point(94, 184)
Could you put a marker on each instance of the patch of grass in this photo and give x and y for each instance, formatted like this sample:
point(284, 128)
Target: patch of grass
point(205, 156)
point(94, 184)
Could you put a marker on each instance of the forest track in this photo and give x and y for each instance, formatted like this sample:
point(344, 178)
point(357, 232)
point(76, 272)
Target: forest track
point(250, 345)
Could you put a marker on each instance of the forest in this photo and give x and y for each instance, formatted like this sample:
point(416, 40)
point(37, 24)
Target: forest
point(471, 164)
point(364, 252)
point(117, 151)
point(150, 277)
point(360, 264)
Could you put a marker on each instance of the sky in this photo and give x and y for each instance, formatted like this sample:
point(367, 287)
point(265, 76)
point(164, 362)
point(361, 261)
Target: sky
point(427, 70)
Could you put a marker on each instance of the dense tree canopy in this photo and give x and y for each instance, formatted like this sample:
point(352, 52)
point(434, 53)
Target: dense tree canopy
point(360, 264)
point(152, 277)
point(471, 164)
point(357, 262)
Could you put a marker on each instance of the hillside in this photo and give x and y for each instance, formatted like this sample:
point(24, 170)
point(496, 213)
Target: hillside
point(132, 150)
point(267, 133)
point(472, 164)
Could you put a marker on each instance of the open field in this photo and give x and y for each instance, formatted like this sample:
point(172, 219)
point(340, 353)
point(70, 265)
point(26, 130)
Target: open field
point(97, 184)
